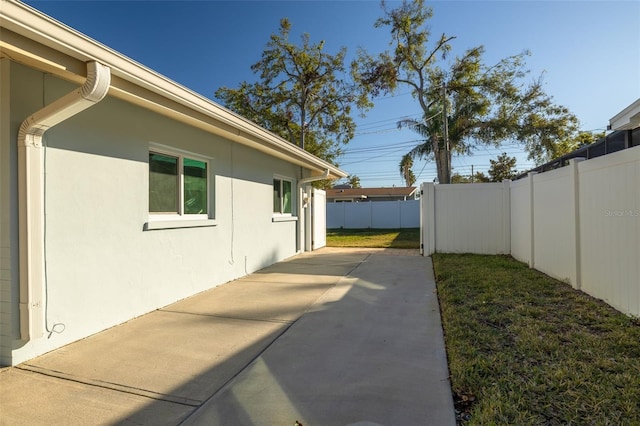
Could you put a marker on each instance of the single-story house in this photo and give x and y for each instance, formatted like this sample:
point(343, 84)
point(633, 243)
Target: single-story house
point(399, 193)
point(122, 191)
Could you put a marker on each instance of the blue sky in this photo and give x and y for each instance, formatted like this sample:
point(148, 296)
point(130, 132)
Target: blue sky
point(589, 52)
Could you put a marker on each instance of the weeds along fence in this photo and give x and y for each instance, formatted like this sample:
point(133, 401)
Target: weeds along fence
point(374, 214)
point(579, 224)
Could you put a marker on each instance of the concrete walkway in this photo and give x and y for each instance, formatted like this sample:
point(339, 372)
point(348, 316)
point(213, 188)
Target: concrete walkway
point(333, 337)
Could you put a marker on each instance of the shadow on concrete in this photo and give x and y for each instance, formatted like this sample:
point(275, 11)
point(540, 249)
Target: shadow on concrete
point(370, 351)
point(365, 352)
point(356, 337)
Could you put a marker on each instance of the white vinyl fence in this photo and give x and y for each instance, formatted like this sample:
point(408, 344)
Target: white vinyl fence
point(469, 218)
point(374, 214)
point(318, 219)
point(579, 224)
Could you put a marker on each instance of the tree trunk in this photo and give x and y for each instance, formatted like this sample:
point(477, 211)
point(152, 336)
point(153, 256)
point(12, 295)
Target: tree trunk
point(303, 117)
point(443, 161)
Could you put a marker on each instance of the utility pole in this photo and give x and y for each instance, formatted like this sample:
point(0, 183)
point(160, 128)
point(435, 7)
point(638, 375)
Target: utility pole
point(446, 133)
point(472, 173)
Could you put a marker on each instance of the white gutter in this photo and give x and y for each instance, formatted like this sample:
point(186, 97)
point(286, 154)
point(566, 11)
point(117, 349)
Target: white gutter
point(304, 212)
point(305, 181)
point(310, 179)
point(31, 193)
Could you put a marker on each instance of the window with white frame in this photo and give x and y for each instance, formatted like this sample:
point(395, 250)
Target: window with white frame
point(282, 196)
point(178, 185)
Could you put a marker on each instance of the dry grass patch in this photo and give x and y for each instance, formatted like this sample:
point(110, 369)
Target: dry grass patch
point(524, 348)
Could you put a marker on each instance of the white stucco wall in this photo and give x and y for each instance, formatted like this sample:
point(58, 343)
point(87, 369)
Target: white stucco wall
point(102, 267)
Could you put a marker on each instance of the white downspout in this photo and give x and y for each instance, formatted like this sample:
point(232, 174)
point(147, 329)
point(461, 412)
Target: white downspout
point(31, 192)
point(305, 216)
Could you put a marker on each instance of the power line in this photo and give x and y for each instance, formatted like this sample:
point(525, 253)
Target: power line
point(421, 170)
point(380, 147)
point(377, 132)
point(386, 120)
point(376, 156)
point(381, 128)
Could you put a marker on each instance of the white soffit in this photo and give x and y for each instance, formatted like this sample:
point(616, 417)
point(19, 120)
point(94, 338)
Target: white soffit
point(628, 118)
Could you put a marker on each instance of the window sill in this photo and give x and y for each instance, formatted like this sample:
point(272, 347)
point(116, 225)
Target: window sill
point(284, 218)
point(153, 225)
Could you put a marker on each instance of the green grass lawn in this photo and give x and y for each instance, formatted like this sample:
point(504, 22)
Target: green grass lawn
point(406, 238)
point(526, 349)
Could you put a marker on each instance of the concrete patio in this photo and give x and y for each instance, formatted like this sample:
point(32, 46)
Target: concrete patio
point(333, 337)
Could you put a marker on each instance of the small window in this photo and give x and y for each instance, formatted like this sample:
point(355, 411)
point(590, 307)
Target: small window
point(178, 185)
point(282, 196)
point(163, 183)
point(195, 186)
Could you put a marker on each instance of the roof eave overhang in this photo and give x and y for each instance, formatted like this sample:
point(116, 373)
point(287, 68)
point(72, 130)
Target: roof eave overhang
point(35, 39)
point(627, 119)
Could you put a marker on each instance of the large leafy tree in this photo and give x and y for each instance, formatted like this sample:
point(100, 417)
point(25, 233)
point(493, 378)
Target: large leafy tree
point(566, 146)
point(477, 177)
point(302, 93)
point(502, 168)
point(483, 104)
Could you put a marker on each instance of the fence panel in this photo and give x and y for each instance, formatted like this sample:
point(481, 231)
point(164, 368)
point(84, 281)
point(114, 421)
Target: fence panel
point(471, 218)
point(357, 215)
point(521, 220)
point(335, 215)
point(409, 213)
point(385, 214)
point(319, 219)
point(374, 214)
point(609, 199)
point(554, 218)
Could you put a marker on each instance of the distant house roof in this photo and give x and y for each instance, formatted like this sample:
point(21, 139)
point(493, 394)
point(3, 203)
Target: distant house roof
point(396, 192)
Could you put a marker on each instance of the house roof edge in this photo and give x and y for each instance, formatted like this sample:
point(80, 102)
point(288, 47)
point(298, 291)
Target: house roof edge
point(34, 25)
point(628, 118)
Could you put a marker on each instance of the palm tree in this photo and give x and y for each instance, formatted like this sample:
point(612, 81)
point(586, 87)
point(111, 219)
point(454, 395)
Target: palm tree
point(405, 169)
point(432, 147)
